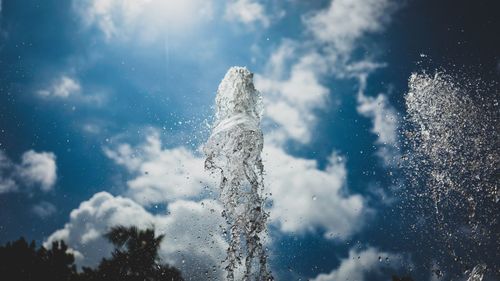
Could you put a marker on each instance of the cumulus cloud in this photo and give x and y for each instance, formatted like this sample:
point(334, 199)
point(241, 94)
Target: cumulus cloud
point(44, 209)
point(92, 219)
point(38, 168)
point(306, 198)
point(192, 240)
point(66, 87)
point(160, 175)
point(346, 21)
point(246, 12)
point(291, 99)
point(144, 19)
point(362, 264)
point(63, 87)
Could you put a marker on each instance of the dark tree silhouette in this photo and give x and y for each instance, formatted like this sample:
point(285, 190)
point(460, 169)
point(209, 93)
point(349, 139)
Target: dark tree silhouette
point(404, 278)
point(135, 258)
point(22, 262)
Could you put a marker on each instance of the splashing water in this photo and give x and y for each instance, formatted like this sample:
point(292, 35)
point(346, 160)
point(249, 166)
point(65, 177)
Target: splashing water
point(477, 273)
point(453, 159)
point(234, 149)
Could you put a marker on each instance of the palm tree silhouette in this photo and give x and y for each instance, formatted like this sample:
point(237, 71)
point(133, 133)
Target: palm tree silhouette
point(135, 258)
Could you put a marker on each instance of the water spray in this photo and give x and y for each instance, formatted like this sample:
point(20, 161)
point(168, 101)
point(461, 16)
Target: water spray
point(234, 150)
point(453, 159)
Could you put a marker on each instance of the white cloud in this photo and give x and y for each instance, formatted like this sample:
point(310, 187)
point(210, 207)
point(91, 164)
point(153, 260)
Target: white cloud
point(146, 20)
point(38, 168)
point(44, 209)
point(7, 183)
point(385, 121)
point(69, 88)
point(339, 31)
point(280, 58)
point(92, 219)
point(247, 12)
point(360, 264)
point(192, 240)
point(385, 125)
point(160, 175)
point(290, 101)
point(63, 87)
point(346, 21)
point(306, 198)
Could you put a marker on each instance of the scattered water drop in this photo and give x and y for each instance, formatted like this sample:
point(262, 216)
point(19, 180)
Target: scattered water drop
point(452, 158)
point(477, 273)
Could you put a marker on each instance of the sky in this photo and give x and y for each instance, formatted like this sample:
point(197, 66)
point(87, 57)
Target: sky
point(106, 104)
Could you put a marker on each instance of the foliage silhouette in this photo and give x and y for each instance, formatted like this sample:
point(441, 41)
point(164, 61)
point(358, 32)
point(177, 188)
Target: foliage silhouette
point(135, 258)
point(404, 278)
point(22, 262)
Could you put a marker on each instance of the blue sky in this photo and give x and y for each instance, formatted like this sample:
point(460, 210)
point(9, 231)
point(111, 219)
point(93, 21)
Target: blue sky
point(104, 105)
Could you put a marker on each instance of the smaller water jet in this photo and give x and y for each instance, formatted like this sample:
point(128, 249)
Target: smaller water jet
point(452, 159)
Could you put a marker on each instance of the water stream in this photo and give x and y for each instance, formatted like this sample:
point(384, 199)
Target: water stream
point(234, 150)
